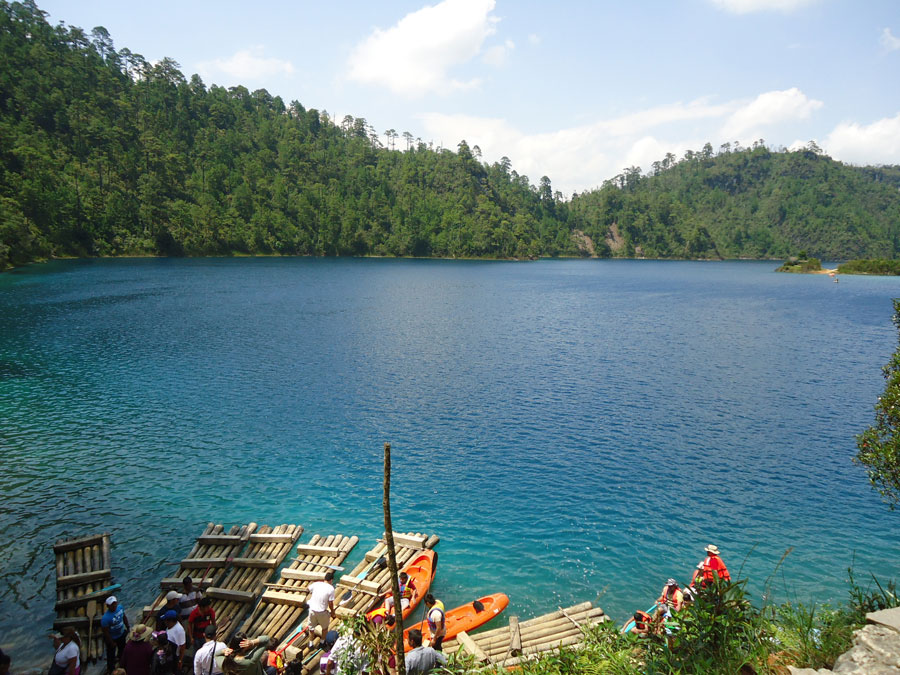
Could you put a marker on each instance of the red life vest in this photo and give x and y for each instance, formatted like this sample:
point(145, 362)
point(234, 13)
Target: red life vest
point(644, 621)
point(713, 568)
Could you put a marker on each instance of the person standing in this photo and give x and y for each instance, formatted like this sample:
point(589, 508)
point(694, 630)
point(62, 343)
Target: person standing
point(67, 660)
point(201, 617)
point(173, 600)
point(176, 636)
point(436, 618)
point(321, 605)
point(711, 568)
point(114, 625)
point(137, 657)
point(245, 656)
point(421, 660)
point(205, 659)
point(190, 597)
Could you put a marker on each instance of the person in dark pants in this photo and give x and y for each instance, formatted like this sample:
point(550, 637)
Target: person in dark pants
point(115, 628)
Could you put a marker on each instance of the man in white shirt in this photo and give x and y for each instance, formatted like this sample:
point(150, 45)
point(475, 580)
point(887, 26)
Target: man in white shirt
point(321, 605)
point(175, 634)
point(206, 653)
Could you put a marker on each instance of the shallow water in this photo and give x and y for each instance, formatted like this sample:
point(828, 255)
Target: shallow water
point(573, 430)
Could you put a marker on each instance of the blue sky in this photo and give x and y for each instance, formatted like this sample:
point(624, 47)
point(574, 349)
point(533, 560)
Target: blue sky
point(573, 90)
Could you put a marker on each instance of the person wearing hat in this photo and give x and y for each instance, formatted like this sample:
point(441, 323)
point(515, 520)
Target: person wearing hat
point(138, 653)
point(175, 635)
point(114, 625)
point(672, 596)
point(711, 568)
point(67, 660)
point(173, 601)
point(207, 659)
point(327, 661)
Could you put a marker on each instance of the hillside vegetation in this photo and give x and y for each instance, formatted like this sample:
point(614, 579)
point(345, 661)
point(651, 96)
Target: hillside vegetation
point(104, 154)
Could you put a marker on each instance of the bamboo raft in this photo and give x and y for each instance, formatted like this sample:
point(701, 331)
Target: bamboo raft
point(284, 602)
point(83, 575)
point(245, 577)
point(511, 645)
point(367, 584)
point(206, 563)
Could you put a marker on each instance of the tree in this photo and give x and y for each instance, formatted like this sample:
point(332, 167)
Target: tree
point(879, 445)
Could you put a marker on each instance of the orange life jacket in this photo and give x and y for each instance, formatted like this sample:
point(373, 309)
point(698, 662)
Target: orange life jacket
point(644, 621)
point(714, 568)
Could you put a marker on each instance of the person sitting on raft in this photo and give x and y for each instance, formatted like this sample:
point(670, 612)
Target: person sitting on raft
point(710, 568)
point(672, 596)
point(407, 593)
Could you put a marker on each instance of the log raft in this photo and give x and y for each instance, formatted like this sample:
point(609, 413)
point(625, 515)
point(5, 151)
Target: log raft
point(83, 574)
point(212, 551)
point(283, 603)
point(365, 584)
point(233, 597)
point(521, 641)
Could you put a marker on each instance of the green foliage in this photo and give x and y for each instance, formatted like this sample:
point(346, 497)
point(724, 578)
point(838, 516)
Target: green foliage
point(104, 154)
point(879, 445)
point(753, 203)
point(801, 265)
point(877, 266)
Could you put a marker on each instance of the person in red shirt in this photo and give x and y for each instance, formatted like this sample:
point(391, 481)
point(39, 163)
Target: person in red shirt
point(201, 616)
point(711, 568)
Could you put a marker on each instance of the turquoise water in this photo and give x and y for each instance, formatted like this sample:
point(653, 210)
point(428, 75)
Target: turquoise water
point(573, 430)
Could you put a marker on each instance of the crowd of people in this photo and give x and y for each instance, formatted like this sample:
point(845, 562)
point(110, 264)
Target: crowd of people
point(673, 598)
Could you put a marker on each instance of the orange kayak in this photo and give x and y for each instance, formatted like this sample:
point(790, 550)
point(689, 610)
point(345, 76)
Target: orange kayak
point(421, 571)
point(466, 617)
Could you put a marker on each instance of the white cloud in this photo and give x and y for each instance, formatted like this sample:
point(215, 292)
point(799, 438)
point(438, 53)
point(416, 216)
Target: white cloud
point(416, 55)
point(534, 39)
point(875, 143)
point(582, 157)
point(496, 56)
point(889, 41)
point(748, 6)
point(245, 65)
point(771, 107)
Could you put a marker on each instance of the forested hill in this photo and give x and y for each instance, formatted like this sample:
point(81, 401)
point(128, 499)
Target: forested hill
point(750, 202)
point(103, 153)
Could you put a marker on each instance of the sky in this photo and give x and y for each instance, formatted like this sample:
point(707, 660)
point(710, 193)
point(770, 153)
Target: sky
point(577, 91)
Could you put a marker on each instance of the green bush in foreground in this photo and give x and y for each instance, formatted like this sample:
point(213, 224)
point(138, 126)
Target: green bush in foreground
point(722, 632)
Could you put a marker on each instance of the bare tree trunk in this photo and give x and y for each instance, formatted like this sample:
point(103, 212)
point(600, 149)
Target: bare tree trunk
point(392, 562)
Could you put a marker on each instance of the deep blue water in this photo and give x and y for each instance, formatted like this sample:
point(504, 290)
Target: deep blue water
point(573, 430)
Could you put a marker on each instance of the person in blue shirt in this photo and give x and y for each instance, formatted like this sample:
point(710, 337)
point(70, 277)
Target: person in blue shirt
point(115, 628)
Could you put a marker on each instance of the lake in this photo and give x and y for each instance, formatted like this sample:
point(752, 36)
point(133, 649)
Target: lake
point(573, 430)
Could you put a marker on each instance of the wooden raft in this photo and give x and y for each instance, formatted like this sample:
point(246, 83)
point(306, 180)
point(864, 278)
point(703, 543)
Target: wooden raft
point(366, 591)
point(517, 642)
point(83, 571)
point(234, 596)
point(206, 563)
point(284, 602)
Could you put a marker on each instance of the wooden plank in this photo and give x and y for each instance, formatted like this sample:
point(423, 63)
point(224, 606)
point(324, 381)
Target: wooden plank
point(229, 594)
point(63, 546)
point(360, 584)
point(197, 563)
point(272, 538)
point(178, 583)
point(83, 578)
point(281, 598)
point(324, 551)
point(256, 563)
point(470, 646)
point(74, 621)
point(515, 636)
point(220, 540)
point(303, 575)
point(410, 541)
point(83, 599)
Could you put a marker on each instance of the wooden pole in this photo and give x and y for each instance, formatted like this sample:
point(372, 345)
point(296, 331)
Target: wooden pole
point(392, 561)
